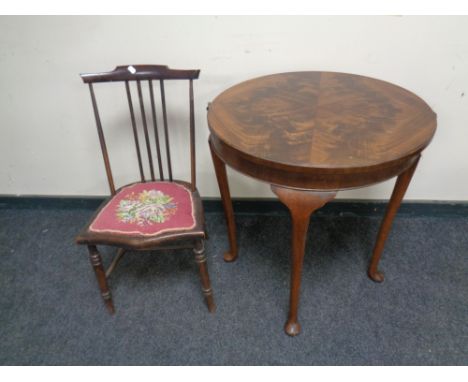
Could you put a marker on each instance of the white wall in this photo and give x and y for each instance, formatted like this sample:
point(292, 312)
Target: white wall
point(48, 142)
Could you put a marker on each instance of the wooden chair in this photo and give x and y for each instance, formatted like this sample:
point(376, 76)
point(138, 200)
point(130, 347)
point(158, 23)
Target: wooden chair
point(154, 214)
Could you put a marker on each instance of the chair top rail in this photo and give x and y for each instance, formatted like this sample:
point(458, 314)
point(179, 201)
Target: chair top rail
point(140, 72)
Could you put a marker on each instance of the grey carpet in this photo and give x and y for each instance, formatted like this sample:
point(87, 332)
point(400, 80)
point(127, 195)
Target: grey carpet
point(51, 312)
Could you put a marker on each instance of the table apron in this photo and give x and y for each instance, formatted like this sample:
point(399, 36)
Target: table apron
point(310, 178)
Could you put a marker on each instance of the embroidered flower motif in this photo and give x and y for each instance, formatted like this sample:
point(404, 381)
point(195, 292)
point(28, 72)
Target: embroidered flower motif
point(146, 208)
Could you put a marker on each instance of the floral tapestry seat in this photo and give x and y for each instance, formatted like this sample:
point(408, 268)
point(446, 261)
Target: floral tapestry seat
point(146, 212)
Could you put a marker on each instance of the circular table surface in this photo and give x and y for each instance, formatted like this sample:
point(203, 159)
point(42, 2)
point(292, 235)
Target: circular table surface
point(322, 120)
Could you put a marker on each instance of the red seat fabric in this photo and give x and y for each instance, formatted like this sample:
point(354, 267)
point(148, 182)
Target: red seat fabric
point(147, 209)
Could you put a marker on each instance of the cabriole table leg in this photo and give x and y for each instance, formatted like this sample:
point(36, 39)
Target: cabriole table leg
point(220, 170)
point(401, 185)
point(301, 204)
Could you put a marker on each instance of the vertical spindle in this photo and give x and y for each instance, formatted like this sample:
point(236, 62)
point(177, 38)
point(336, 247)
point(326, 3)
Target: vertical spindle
point(192, 138)
point(166, 132)
point(135, 133)
point(145, 129)
point(156, 134)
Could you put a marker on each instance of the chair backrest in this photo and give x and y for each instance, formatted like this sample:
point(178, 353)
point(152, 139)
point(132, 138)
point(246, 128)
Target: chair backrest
point(148, 73)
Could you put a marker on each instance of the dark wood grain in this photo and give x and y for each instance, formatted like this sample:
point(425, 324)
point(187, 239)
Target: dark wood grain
point(310, 134)
point(308, 178)
point(324, 123)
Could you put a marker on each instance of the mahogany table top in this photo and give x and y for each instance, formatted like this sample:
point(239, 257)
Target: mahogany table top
point(334, 122)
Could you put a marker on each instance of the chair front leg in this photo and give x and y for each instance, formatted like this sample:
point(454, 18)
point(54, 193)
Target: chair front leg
point(96, 262)
point(200, 258)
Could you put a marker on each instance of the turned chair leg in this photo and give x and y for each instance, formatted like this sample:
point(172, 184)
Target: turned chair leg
point(399, 190)
point(200, 258)
point(96, 262)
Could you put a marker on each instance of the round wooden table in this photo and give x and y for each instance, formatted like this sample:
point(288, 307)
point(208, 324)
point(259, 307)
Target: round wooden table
point(311, 134)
